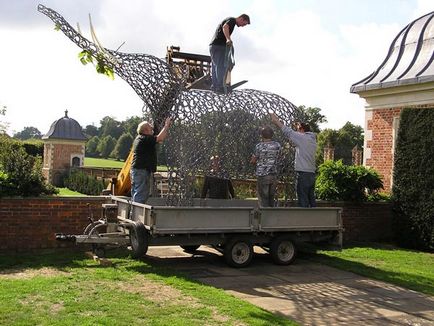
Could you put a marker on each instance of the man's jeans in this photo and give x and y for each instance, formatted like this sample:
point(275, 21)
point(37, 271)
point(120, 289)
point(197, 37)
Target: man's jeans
point(140, 184)
point(217, 53)
point(266, 187)
point(306, 189)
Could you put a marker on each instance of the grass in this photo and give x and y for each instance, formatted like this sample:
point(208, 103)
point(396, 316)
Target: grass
point(69, 289)
point(102, 163)
point(68, 192)
point(107, 163)
point(407, 268)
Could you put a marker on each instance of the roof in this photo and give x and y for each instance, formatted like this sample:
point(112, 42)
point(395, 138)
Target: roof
point(409, 60)
point(65, 128)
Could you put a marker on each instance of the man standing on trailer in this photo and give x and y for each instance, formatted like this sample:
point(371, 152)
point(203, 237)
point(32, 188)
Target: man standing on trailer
point(217, 48)
point(305, 166)
point(144, 162)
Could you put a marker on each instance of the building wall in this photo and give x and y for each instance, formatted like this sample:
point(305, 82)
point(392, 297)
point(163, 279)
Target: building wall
point(379, 131)
point(58, 157)
point(381, 127)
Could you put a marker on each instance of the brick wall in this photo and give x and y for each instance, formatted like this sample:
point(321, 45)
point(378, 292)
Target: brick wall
point(379, 141)
point(365, 221)
point(31, 223)
point(380, 144)
point(28, 224)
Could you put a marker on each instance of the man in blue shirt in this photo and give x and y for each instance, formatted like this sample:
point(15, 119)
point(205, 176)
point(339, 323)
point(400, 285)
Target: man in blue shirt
point(305, 166)
point(217, 48)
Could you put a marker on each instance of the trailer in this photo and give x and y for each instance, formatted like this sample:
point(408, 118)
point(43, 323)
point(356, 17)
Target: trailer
point(233, 227)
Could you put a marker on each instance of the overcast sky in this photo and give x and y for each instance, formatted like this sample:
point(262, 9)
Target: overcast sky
point(308, 51)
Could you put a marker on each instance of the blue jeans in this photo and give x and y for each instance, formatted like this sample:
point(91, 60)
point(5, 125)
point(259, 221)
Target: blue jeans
point(217, 53)
point(140, 184)
point(266, 187)
point(306, 189)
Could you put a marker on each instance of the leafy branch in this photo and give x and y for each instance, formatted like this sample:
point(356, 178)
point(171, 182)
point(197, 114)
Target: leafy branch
point(101, 66)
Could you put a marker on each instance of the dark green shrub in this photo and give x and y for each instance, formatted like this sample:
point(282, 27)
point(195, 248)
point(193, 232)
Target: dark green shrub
point(34, 147)
point(21, 173)
point(413, 186)
point(337, 181)
point(83, 183)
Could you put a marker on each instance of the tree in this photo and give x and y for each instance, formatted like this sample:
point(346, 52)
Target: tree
point(106, 146)
point(343, 141)
point(3, 125)
point(123, 147)
point(130, 125)
point(92, 147)
point(28, 133)
point(312, 116)
point(20, 173)
point(90, 131)
point(110, 127)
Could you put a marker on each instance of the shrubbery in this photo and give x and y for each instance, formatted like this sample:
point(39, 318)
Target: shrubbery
point(413, 186)
point(83, 183)
point(20, 173)
point(337, 181)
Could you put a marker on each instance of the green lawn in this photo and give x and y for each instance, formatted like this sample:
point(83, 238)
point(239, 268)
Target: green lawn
point(102, 163)
point(407, 268)
point(68, 192)
point(69, 289)
point(106, 163)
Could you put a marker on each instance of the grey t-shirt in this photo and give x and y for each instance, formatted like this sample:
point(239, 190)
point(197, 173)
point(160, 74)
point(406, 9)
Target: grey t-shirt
point(305, 143)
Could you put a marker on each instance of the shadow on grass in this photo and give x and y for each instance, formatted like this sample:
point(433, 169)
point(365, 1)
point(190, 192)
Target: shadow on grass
point(414, 281)
point(64, 260)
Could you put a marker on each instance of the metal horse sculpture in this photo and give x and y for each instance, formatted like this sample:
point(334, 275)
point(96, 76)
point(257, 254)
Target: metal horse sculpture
point(205, 123)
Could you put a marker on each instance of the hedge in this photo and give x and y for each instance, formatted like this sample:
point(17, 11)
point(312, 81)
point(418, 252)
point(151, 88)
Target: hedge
point(413, 180)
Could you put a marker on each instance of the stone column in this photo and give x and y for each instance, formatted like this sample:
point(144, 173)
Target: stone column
point(329, 152)
point(357, 155)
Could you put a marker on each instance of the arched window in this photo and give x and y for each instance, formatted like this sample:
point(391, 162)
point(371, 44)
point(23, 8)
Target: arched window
point(75, 162)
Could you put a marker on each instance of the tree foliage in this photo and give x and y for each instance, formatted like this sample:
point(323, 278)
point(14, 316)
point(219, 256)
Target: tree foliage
point(92, 147)
point(123, 147)
point(312, 116)
point(343, 141)
point(20, 173)
point(413, 180)
point(106, 146)
point(337, 181)
point(28, 133)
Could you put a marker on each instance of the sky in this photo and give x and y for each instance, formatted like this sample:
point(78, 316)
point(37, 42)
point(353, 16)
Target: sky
point(308, 51)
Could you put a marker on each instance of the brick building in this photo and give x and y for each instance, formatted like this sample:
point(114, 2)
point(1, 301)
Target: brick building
point(64, 147)
point(405, 79)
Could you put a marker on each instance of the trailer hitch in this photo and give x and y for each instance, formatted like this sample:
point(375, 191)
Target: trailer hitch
point(65, 237)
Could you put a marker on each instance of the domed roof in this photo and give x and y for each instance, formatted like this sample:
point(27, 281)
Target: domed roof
point(409, 60)
point(65, 128)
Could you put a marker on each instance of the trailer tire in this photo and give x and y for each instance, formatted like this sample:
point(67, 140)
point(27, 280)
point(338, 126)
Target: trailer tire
point(190, 249)
point(282, 250)
point(139, 239)
point(238, 252)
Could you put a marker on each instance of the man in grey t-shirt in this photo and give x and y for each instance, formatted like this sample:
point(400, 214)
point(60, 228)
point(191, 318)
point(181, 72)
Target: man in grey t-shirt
point(305, 166)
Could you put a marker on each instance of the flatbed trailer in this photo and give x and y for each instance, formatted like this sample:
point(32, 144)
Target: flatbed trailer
point(231, 226)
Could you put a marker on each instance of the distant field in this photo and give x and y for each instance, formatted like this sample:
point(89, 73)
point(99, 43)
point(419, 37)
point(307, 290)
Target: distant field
point(102, 163)
point(68, 192)
point(105, 163)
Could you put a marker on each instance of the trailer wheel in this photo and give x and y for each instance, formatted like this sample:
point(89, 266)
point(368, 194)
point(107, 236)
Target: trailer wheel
point(190, 249)
point(139, 239)
point(238, 252)
point(282, 250)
